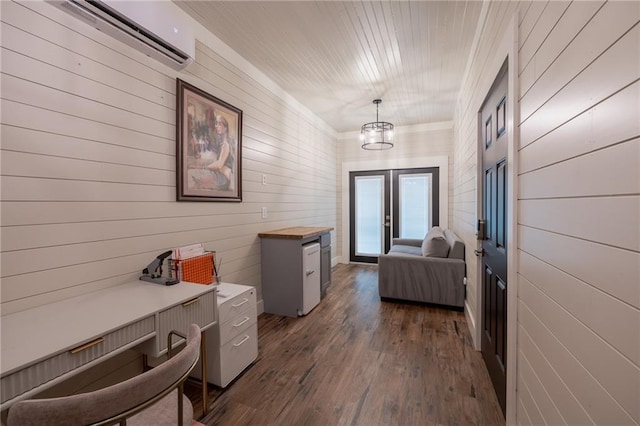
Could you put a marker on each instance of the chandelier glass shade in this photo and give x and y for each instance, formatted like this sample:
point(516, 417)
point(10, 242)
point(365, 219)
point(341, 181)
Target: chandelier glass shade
point(377, 135)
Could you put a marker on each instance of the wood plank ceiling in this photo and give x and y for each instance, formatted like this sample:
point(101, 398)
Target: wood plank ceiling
point(335, 57)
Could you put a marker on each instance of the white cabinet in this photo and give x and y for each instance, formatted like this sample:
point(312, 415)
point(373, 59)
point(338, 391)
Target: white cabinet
point(310, 277)
point(232, 344)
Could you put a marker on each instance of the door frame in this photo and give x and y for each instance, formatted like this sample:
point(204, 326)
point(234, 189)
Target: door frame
point(507, 49)
point(442, 162)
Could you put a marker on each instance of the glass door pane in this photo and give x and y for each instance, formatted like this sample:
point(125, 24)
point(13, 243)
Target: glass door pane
point(369, 213)
point(415, 205)
point(415, 201)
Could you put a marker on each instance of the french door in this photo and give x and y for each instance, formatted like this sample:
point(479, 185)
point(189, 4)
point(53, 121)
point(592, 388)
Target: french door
point(370, 217)
point(415, 201)
point(390, 203)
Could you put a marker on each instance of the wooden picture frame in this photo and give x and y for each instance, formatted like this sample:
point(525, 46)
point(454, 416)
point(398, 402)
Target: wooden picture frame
point(208, 146)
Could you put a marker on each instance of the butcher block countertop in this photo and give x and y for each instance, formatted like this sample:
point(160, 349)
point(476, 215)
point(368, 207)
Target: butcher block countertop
point(295, 232)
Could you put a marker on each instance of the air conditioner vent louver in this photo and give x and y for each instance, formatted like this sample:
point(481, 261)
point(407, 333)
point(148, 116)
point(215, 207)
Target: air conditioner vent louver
point(79, 13)
point(150, 27)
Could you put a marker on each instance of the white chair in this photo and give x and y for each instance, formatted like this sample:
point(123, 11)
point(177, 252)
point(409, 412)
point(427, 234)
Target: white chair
point(154, 397)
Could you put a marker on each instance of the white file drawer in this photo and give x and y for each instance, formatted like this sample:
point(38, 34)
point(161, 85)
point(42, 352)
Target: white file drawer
point(232, 344)
point(235, 304)
point(236, 355)
point(235, 326)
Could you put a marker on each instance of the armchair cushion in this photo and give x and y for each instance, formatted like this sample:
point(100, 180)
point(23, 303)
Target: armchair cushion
point(435, 244)
point(416, 251)
point(415, 242)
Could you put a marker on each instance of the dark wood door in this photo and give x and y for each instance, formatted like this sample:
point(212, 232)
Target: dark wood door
point(493, 138)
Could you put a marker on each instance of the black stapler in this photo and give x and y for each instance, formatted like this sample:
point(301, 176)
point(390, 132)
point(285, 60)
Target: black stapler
point(153, 272)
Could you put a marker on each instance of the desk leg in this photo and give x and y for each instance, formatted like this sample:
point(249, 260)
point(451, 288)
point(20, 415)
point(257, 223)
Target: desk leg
point(203, 359)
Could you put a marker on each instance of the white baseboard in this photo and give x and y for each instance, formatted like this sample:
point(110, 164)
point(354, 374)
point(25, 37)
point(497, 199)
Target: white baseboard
point(260, 306)
point(471, 322)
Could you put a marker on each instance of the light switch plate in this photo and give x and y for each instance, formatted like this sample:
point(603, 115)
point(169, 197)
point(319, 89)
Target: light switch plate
point(265, 213)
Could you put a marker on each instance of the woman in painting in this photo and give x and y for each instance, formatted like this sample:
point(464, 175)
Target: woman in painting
point(222, 148)
point(220, 171)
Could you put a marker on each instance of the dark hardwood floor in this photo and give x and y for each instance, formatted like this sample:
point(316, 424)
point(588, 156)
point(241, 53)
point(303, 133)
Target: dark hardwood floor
point(356, 360)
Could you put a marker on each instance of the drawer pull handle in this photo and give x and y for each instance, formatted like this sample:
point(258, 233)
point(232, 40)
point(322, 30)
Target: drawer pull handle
point(245, 300)
point(241, 341)
point(241, 322)
point(87, 345)
point(190, 302)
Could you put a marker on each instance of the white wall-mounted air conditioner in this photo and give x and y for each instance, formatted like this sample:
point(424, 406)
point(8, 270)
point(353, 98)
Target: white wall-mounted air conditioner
point(157, 28)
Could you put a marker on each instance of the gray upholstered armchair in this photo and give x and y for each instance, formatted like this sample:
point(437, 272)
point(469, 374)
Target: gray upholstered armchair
point(431, 270)
point(152, 398)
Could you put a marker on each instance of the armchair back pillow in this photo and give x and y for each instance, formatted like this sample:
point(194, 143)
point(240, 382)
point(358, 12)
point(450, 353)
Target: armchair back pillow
point(435, 244)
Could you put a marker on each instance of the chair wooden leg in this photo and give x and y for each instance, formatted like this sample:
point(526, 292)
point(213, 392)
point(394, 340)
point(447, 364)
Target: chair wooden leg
point(180, 403)
point(203, 363)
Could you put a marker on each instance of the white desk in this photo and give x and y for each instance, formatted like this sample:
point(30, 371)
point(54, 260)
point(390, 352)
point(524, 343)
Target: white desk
point(43, 346)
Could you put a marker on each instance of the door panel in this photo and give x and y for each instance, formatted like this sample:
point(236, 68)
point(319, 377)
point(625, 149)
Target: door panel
point(501, 206)
point(487, 309)
point(416, 195)
point(488, 204)
point(369, 197)
point(414, 215)
point(501, 324)
point(493, 141)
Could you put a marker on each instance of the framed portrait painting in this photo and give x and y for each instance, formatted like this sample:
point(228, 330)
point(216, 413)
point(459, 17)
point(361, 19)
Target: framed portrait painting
point(209, 146)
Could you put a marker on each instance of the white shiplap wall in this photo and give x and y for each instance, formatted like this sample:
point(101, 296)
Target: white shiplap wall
point(485, 63)
point(88, 159)
point(424, 145)
point(578, 336)
point(579, 222)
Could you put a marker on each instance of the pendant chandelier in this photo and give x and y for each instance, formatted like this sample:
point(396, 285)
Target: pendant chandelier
point(377, 135)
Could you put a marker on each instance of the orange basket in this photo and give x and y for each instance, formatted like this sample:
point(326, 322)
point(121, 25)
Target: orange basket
point(198, 269)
